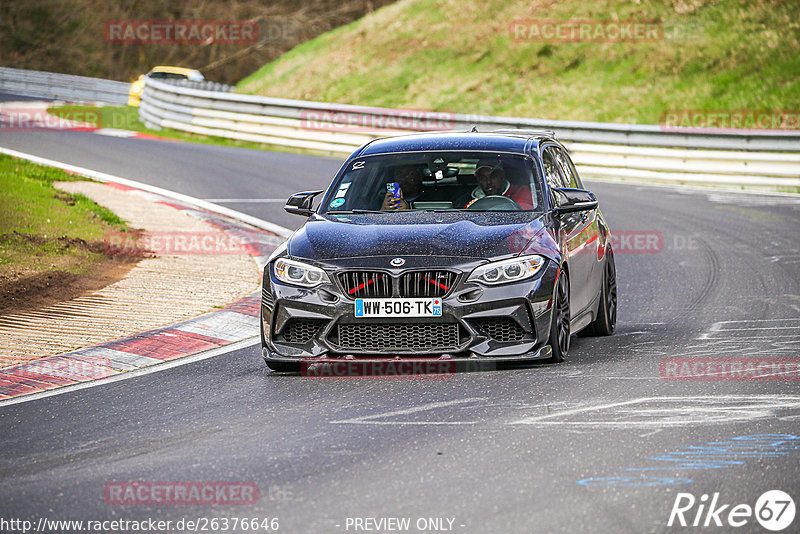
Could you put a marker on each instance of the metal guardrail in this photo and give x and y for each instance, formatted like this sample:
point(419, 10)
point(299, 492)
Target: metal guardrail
point(644, 152)
point(67, 87)
point(206, 85)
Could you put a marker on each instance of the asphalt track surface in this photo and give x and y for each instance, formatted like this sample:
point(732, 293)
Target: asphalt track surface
point(589, 445)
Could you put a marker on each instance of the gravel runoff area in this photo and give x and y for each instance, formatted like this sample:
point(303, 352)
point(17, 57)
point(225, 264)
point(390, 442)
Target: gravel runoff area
point(173, 285)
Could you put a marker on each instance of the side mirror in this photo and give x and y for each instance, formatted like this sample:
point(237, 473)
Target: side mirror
point(301, 203)
point(569, 200)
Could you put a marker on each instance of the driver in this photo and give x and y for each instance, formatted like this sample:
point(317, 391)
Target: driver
point(492, 182)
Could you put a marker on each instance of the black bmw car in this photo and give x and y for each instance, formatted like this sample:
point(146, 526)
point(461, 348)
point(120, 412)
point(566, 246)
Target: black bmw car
point(457, 246)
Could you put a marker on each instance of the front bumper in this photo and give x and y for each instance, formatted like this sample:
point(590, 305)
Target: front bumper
point(368, 366)
point(504, 323)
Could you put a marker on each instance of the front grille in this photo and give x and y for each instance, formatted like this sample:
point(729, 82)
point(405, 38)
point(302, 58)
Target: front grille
point(366, 284)
point(409, 337)
point(501, 328)
point(426, 283)
point(300, 330)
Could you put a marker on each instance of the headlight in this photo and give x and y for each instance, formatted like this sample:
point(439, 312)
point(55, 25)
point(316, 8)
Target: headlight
point(299, 274)
point(503, 272)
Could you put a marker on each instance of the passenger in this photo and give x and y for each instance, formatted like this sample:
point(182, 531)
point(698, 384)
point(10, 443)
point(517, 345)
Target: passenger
point(410, 179)
point(492, 182)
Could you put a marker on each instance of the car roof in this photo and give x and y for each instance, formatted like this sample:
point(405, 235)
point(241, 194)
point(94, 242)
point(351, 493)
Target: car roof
point(506, 141)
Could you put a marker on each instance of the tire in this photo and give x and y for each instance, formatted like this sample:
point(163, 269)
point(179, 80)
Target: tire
point(606, 321)
point(559, 325)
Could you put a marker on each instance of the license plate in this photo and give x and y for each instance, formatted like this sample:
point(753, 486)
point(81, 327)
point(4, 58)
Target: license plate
point(431, 307)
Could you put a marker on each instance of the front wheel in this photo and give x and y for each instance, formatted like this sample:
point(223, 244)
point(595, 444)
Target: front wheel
point(560, 327)
point(606, 321)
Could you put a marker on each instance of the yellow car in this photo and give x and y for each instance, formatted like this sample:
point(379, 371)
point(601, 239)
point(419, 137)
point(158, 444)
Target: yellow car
point(161, 73)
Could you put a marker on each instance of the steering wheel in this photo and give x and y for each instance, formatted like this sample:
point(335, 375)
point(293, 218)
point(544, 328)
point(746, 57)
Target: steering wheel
point(495, 203)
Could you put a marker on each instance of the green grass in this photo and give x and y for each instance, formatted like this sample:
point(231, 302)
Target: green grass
point(42, 228)
point(104, 214)
point(127, 118)
point(459, 56)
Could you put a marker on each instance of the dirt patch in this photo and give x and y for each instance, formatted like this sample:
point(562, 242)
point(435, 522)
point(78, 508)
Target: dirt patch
point(22, 291)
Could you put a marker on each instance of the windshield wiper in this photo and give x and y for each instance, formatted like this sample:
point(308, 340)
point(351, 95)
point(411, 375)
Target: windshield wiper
point(354, 211)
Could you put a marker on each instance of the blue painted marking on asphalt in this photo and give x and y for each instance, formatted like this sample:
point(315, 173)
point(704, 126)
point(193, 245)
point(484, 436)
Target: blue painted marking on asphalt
point(712, 455)
point(634, 481)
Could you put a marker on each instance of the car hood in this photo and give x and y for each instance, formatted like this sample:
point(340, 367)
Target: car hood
point(466, 235)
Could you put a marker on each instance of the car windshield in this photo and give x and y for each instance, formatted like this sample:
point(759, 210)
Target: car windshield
point(425, 181)
point(167, 75)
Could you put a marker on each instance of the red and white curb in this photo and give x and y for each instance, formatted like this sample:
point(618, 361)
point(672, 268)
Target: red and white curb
point(201, 337)
point(237, 322)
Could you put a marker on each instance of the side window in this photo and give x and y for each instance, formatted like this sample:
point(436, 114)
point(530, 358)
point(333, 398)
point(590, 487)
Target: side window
point(566, 167)
point(553, 173)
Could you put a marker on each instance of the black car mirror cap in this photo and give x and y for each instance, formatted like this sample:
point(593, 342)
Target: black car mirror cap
point(301, 203)
point(570, 200)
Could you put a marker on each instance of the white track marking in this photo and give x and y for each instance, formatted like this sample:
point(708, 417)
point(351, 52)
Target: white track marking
point(686, 411)
point(245, 200)
point(742, 327)
point(115, 132)
point(720, 194)
point(650, 413)
point(711, 331)
point(796, 319)
point(371, 419)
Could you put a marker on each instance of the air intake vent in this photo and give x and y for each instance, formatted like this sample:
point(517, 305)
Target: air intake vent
point(300, 330)
point(501, 328)
point(407, 337)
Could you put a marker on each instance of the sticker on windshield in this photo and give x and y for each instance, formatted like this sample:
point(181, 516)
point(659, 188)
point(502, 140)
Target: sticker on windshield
point(358, 165)
point(342, 190)
point(336, 202)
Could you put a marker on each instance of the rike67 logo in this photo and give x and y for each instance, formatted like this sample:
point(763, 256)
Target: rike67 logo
point(774, 510)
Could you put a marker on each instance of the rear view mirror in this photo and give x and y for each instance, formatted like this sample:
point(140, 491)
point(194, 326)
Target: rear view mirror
point(301, 203)
point(569, 200)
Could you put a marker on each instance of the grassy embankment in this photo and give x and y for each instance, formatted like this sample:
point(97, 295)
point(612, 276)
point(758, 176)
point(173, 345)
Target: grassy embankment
point(51, 242)
point(461, 56)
